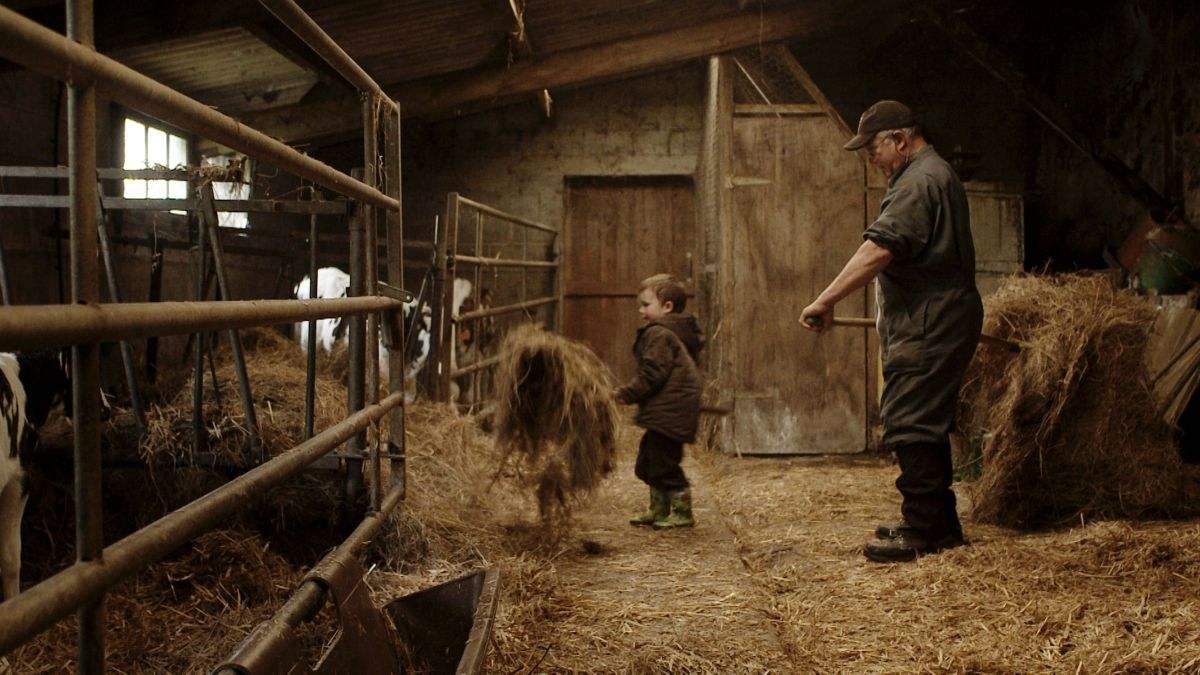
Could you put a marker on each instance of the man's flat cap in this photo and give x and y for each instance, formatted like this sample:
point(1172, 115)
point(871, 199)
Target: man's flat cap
point(881, 117)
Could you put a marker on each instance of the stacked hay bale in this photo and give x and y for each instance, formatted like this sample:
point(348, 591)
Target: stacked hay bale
point(1071, 420)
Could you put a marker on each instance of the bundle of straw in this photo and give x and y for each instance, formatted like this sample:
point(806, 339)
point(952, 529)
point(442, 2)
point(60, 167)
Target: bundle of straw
point(1072, 421)
point(556, 419)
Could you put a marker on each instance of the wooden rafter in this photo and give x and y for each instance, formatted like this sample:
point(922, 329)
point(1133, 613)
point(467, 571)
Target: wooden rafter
point(524, 49)
point(445, 94)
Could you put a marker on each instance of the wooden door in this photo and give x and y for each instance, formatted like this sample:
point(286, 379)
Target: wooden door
point(620, 230)
point(798, 212)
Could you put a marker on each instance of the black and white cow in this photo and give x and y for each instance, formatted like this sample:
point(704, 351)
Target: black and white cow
point(31, 385)
point(334, 283)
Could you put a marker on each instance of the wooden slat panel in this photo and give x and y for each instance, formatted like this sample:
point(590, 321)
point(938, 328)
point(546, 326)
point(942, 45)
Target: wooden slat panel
point(794, 392)
point(620, 231)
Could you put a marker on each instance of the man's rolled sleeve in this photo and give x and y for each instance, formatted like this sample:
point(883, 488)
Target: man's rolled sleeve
point(905, 221)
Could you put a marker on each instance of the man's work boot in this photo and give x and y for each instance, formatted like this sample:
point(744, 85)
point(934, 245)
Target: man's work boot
point(660, 508)
point(892, 530)
point(908, 545)
point(681, 512)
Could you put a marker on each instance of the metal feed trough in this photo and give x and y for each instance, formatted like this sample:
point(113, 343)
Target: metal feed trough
point(443, 629)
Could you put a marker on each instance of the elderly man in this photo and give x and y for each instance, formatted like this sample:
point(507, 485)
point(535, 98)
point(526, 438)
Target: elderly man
point(930, 317)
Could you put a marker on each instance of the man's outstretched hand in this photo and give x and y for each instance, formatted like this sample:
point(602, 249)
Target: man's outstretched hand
point(817, 317)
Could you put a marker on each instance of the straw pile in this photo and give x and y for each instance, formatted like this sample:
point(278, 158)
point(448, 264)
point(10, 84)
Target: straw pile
point(555, 417)
point(182, 615)
point(1072, 419)
point(276, 368)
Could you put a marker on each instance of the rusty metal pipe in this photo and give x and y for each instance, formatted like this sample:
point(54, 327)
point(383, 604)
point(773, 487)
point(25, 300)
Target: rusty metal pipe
point(300, 23)
point(45, 326)
point(42, 50)
point(37, 608)
point(306, 602)
point(310, 371)
point(493, 211)
point(505, 309)
point(85, 364)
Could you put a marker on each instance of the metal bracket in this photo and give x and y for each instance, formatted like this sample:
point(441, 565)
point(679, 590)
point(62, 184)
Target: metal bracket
point(390, 291)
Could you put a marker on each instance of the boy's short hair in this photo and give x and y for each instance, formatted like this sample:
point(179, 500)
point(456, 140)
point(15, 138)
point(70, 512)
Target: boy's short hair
point(667, 289)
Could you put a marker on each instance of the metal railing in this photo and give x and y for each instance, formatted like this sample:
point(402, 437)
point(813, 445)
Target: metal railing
point(86, 322)
point(459, 211)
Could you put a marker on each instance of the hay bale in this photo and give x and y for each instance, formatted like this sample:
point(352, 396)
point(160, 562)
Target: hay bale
point(556, 418)
point(276, 368)
point(1072, 421)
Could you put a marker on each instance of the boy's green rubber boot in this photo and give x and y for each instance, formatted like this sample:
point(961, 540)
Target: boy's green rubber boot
point(660, 507)
point(681, 512)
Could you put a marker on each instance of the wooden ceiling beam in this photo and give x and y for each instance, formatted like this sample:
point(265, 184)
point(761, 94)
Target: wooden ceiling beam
point(437, 96)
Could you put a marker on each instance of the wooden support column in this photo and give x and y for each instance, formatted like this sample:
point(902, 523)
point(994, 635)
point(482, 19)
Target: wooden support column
point(715, 217)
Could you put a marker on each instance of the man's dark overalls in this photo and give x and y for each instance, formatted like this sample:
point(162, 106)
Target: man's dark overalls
point(930, 317)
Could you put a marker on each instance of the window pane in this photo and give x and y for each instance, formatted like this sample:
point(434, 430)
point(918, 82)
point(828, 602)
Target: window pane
point(177, 152)
point(135, 189)
point(156, 189)
point(177, 189)
point(135, 145)
point(156, 147)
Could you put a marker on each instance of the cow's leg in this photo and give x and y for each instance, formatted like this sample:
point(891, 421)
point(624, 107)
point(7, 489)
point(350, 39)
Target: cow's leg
point(12, 508)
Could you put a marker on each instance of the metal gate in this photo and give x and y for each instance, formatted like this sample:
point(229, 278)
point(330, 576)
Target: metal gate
point(85, 323)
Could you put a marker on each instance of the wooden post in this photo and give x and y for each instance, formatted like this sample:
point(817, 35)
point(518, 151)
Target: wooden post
point(716, 222)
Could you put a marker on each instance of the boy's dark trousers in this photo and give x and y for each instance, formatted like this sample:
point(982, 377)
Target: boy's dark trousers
point(658, 462)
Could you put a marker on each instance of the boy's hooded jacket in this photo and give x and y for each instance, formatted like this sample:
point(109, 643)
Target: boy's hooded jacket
point(666, 388)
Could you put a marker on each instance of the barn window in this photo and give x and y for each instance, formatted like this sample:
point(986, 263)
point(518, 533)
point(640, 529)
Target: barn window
point(148, 147)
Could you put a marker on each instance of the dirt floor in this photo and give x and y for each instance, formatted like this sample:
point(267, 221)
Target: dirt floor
point(772, 580)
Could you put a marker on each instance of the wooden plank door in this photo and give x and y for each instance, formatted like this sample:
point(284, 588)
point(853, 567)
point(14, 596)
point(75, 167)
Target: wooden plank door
point(798, 212)
point(620, 230)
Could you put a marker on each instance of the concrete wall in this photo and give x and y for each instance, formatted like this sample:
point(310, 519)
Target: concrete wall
point(517, 160)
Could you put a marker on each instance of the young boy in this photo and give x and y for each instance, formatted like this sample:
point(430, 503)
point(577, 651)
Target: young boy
point(667, 393)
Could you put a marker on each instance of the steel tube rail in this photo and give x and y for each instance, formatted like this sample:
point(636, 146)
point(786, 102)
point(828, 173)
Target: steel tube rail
point(467, 370)
point(300, 23)
point(504, 262)
point(37, 608)
point(492, 211)
point(506, 309)
point(85, 364)
point(307, 600)
point(310, 370)
point(44, 326)
point(42, 50)
point(223, 205)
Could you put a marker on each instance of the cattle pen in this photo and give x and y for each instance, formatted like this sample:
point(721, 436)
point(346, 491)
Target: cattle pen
point(87, 322)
